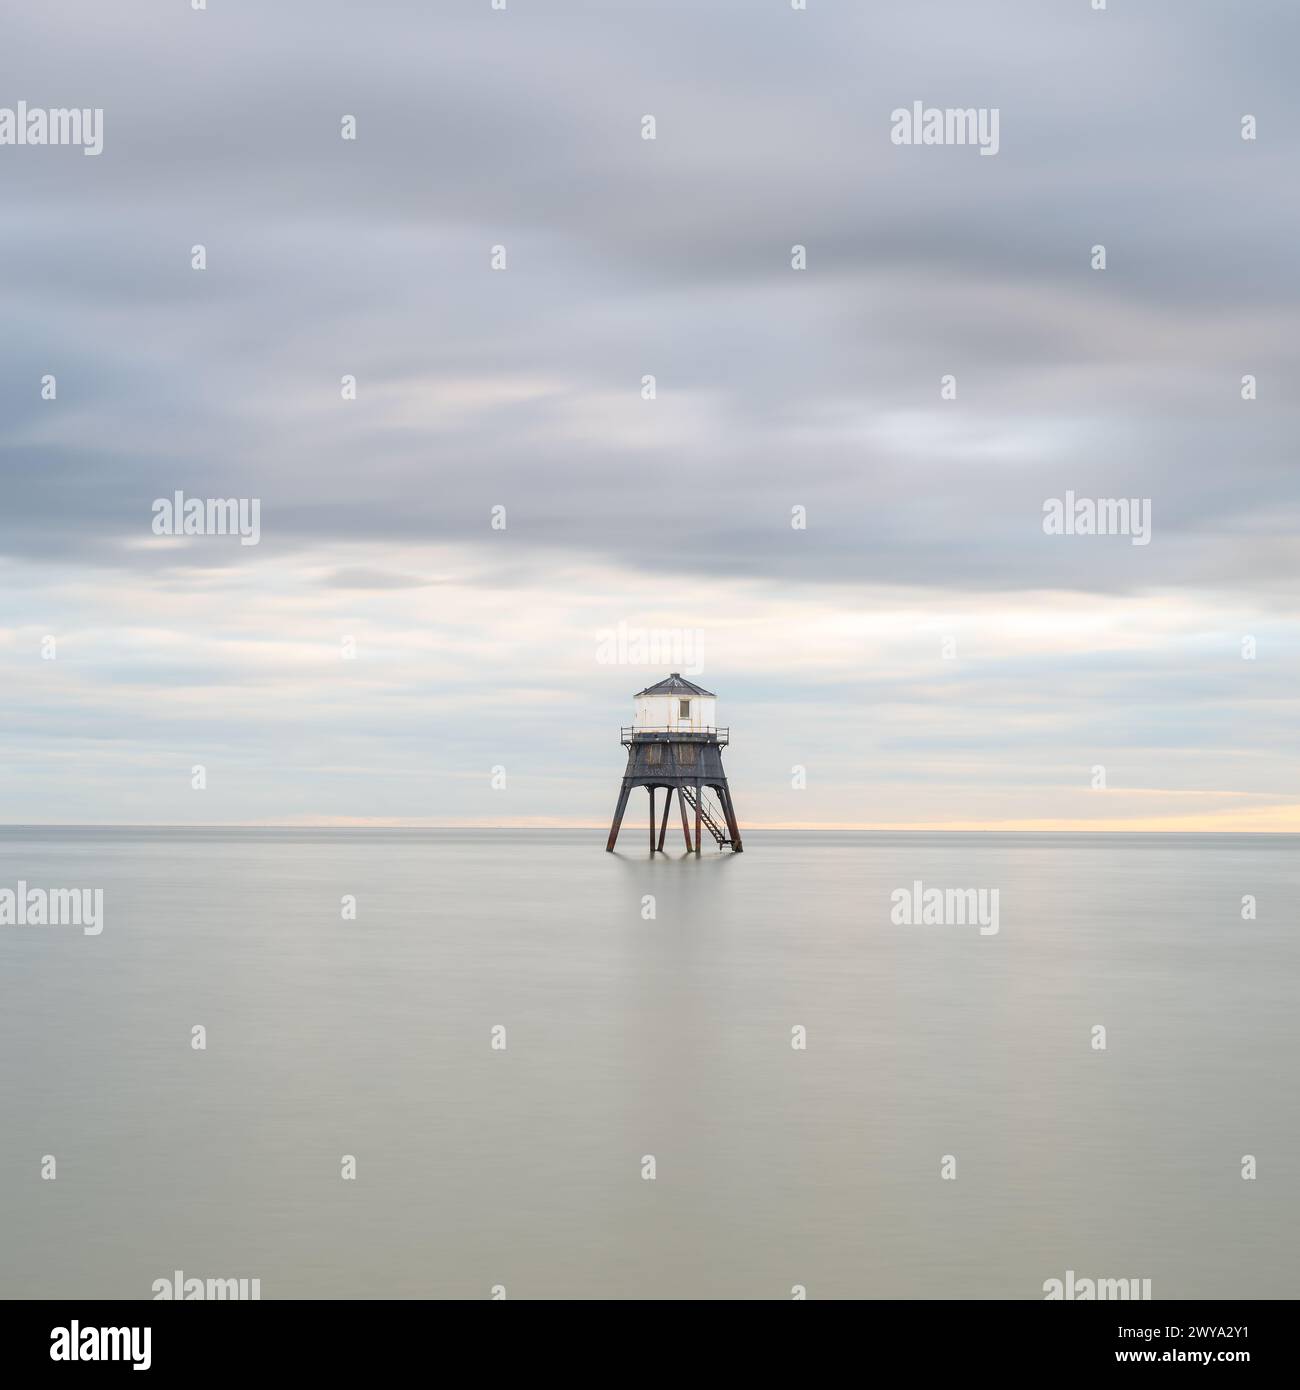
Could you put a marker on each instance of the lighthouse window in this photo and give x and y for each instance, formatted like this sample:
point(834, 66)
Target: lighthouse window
point(654, 754)
point(686, 754)
point(683, 709)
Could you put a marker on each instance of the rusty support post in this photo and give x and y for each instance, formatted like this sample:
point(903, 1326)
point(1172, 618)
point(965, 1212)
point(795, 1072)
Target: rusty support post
point(618, 818)
point(732, 828)
point(699, 806)
point(686, 829)
point(663, 824)
point(651, 790)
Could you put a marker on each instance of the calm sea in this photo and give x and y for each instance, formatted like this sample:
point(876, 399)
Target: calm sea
point(629, 1035)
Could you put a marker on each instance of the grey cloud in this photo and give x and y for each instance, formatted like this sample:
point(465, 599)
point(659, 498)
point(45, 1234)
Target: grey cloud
point(628, 257)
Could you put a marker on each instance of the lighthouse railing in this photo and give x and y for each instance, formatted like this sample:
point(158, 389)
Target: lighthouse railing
point(707, 734)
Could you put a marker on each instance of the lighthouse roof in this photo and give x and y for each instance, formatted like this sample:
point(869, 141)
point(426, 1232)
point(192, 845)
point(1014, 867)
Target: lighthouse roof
point(676, 684)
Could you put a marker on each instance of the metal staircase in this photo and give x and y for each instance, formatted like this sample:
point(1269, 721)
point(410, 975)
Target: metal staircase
point(718, 832)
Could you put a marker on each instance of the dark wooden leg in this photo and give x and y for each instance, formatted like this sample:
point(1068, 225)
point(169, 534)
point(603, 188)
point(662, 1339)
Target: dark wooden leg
point(651, 790)
point(686, 830)
point(732, 827)
point(663, 824)
point(618, 817)
point(699, 806)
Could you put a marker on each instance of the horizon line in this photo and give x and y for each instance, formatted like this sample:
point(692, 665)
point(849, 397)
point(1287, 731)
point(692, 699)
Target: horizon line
point(1000, 828)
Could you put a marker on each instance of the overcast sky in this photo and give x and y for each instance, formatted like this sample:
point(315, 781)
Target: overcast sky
point(775, 388)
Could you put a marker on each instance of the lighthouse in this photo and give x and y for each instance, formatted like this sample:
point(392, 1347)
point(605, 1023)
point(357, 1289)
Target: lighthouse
point(674, 743)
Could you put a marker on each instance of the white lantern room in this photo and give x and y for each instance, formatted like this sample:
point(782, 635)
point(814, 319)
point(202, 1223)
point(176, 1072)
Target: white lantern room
point(676, 706)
